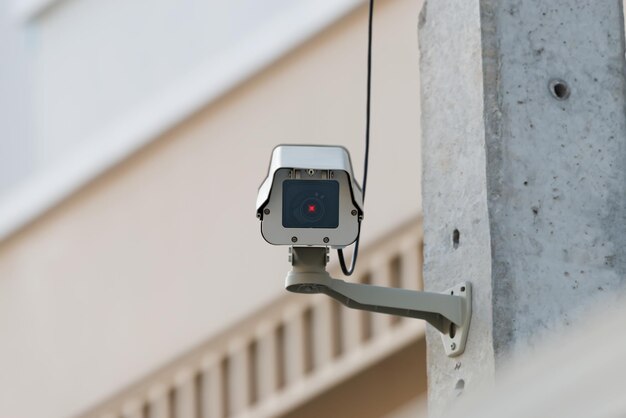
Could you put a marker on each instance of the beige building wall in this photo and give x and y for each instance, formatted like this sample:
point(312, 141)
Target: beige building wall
point(164, 250)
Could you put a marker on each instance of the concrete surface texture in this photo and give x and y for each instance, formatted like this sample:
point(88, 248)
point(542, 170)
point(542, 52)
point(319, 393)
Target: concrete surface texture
point(572, 377)
point(524, 186)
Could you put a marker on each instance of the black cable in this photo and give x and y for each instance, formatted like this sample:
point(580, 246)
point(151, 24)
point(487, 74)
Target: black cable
point(342, 261)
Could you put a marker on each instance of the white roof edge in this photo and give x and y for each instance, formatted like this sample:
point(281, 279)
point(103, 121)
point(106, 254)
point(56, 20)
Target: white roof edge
point(43, 190)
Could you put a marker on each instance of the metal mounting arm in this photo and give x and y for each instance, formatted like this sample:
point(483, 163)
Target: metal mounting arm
point(448, 312)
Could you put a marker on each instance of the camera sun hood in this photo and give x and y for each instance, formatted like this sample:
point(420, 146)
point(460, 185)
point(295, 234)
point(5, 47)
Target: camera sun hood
point(315, 157)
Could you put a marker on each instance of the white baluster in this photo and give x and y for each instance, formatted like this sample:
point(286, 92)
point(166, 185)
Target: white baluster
point(322, 333)
point(212, 393)
point(380, 276)
point(133, 409)
point(411, 273)
point(267, 361)
point(351, 327)
point(294, 345)
point(158, 402)
point(238, 377)
point(185, 393)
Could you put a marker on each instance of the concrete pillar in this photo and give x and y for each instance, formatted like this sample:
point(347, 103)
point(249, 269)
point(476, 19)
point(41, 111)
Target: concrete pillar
point(524, 183)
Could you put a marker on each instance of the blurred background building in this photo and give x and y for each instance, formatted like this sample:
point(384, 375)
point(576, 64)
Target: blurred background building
point(134, 281)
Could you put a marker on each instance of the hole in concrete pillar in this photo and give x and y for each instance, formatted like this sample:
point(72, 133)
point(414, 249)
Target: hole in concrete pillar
point(559, 89)
point(452, 330)
point(460, 385)
point(456, 236)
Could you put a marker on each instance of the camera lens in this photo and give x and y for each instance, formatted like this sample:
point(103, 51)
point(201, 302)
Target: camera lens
point(312, 209)
point(310, 204)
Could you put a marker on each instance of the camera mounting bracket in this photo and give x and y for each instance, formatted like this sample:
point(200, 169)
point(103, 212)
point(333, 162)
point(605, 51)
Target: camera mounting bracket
point(449, 312)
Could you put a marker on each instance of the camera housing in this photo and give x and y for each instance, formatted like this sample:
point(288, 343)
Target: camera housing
point(310, 197)
point(310, 201)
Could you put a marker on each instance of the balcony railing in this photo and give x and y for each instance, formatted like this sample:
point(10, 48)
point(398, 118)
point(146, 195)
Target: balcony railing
point(286, 354)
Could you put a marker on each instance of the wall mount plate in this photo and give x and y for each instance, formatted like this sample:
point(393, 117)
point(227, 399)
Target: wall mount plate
point(456, 336)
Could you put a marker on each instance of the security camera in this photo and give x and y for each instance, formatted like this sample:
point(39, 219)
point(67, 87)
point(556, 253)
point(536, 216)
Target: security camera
point(310, 197)
point(310, 201)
